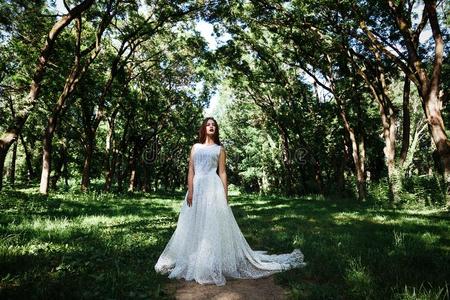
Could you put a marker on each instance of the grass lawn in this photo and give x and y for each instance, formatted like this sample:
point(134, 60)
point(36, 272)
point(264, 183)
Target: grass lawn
point(104, 246)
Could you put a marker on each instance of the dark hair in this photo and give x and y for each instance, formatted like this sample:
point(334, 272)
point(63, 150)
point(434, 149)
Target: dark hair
point(202, 131)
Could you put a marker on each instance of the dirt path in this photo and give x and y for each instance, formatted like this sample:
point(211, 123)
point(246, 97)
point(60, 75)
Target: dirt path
point(258, 289)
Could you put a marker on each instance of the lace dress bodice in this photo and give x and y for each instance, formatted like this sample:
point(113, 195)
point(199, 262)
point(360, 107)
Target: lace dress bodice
point(206, 159)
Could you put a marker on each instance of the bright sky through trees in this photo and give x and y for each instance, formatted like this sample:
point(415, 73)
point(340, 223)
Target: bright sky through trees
point(206, 31)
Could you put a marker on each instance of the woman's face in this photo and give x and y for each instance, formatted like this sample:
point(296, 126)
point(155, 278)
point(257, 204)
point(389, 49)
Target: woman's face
point(210, 127)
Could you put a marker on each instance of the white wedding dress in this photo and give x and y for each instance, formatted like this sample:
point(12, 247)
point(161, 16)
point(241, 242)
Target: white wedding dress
point(207, 245)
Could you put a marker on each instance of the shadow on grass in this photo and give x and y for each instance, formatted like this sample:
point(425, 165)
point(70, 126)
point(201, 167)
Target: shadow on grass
point(352, 251)
point(83, 246)
point(96, 245)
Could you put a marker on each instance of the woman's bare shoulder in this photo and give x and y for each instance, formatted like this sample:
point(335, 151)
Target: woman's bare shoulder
point(193, 148)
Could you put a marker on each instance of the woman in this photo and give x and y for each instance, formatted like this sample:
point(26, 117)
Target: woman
point(207, 245)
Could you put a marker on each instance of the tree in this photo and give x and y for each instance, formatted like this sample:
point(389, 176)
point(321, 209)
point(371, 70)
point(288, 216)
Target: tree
point(83, 60)
point(413, 64)
point(13, 131)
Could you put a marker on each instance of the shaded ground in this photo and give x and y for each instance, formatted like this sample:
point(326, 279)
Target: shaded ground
point(105, 246)
point(258, 289)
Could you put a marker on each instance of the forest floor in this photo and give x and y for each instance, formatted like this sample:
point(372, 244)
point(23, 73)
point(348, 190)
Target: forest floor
point(258, 289)
point(104, 246)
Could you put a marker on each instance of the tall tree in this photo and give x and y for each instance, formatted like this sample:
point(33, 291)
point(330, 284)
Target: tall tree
point(83, 60)
point(13, 131)
point(427, 79)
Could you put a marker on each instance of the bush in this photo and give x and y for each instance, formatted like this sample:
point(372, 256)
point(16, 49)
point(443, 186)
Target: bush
point(427, 189)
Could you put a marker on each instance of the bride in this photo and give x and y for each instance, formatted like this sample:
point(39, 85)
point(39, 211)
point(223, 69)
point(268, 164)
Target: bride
point(207, 245)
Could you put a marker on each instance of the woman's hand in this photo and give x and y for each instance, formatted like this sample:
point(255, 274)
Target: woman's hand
point(190, 177)
point(189, 199)
point(223, 171)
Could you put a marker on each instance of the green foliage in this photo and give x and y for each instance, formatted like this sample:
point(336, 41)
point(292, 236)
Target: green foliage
point(105, 245)
point(86, 246)
point(428, 189)
point(424, 292)
point(291, 79)
point(287, 78)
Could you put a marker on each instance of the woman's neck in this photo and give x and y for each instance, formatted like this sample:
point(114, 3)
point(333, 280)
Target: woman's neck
point(209, 141)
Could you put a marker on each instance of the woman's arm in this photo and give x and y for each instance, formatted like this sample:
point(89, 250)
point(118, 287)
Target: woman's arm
point(191, 177)
point(223, 170)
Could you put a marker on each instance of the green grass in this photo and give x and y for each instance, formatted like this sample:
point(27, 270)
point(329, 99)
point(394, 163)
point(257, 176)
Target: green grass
point(104, 246)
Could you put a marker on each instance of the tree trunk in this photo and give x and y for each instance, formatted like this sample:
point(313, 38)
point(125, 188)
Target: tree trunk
point(117, 62)
point(433, 104)
point(361, 173)
point(65, 172)
point(99, 115)
point(357, 145)
point(28, 159)
point(2, 163)
point(339, 164)
point(110, 151)
point(358, 153)
point(46, 159)
point(133, 168)
point(89, 149)
point(361, 143)
point(406, 121)
point(52, 123)
point(12, 133)
point(387, 115)
point(287, 159)
point(418, 132)
point(389, 151)
point(111, 171)
point(440, 139)
point(74, 77)
point(12, 170)
point(120, 174)
point(61, 163)
point(428, 84)
point(57, 112)
point(318, 177)
point(123, 149)
point(373, 75)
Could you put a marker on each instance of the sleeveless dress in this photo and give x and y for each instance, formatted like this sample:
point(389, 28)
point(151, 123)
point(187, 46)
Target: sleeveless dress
point(207, 245)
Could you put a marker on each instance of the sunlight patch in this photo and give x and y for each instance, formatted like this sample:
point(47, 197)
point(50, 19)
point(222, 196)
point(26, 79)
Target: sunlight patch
point(346, 217)
point(96, 220)
point(379, 218)
point(44, 224)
